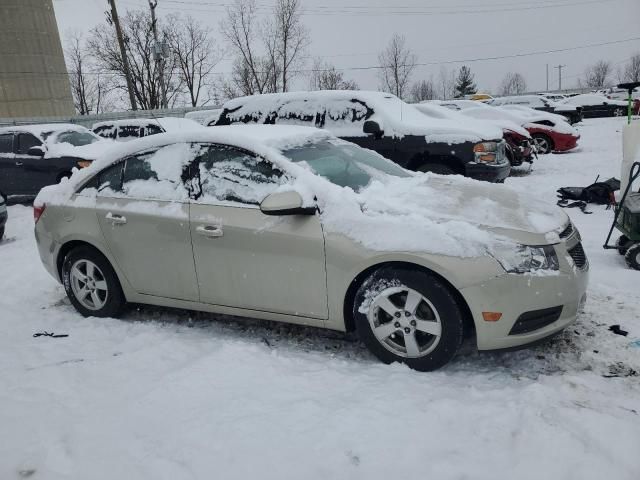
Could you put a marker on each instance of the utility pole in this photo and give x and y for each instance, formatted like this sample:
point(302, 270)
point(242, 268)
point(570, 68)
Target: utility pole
point(547, 77)
point(560, 67)
point(158, 54)
point(123, 52)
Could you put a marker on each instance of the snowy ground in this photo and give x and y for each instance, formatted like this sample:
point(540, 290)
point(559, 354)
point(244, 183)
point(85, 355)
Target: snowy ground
point(176, 395)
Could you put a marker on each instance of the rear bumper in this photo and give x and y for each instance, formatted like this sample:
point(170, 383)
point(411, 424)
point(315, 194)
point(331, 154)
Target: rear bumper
point(488, 173)
point(563, 142)
point(48, 251)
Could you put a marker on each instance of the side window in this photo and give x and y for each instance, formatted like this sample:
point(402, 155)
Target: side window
point(25, 142)
point(109, 181)
point(159, 175)
point(228, 174)
point(346, 116)
point(6, 143)
point(105, 131)
point(129, 132)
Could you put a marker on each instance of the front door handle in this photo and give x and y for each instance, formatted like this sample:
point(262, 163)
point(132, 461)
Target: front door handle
point(116, 219)
point(19, 164)
point(211, 231)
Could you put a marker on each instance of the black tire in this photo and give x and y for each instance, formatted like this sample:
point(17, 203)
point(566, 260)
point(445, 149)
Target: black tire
point(432, 289)
point(115, 301)
point(1, 233)
point(438, 168)
point(543, 142)
point(622, 244)
point(619, 112)
point(632, 257)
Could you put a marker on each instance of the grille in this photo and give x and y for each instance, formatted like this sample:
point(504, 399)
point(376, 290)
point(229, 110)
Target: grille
point(535, 319)
point(578, 255)
point(567, 231)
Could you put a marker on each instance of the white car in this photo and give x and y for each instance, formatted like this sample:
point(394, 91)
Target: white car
point(294, 225)
point(571, 113)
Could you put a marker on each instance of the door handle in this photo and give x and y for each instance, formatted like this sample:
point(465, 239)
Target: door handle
point(116, 219)
point(211, 231)
point(19, 164)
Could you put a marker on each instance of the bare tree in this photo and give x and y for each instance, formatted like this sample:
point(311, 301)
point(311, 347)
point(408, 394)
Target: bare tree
point(88, 87)
point(290, 38)
point(195, 56)
point(324, 76)
point(397, 62)
point(446, 83)
point(139, 41)
point(631, 71)
point(513, 83)
point(596, 75)
point(252, 69)
point(423, 90)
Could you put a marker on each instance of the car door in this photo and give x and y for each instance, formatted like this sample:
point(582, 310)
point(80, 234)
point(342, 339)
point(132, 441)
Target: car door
point(143, 210)
point(246, 259)
point(8, 167)
point(33, 171)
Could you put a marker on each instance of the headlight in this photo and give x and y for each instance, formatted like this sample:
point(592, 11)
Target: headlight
point(83, 163)
point(526, 258)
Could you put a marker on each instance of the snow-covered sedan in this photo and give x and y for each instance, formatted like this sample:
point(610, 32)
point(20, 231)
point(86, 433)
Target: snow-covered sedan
point(572, 113)
point(595, 105)
point(294, 225)
point(32, 156)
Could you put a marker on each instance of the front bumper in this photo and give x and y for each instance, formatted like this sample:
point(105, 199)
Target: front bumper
point(529, 298)
point(488, 173)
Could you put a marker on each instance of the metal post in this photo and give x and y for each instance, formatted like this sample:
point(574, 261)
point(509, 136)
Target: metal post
point(158, 54)
point(547, 78)
point(560, 67)
point(123, 52)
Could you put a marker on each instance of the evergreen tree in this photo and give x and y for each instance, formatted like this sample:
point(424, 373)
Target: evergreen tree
point(464, 83)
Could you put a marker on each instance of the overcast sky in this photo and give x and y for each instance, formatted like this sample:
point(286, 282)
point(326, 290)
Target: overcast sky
point(350, 33)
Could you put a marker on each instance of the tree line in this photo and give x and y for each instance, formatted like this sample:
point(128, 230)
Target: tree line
point(267, 54)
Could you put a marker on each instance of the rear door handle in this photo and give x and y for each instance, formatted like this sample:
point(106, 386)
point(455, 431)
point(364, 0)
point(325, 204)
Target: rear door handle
point(19, 164)
point(116, 219)
point(211, 231)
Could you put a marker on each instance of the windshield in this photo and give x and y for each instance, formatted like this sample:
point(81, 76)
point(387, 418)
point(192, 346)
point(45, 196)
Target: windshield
point(75, 138)
point(344, 164)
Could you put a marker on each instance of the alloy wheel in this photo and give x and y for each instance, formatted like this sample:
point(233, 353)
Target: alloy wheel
point(88, 284)
point(541, 144)
point(405, 322)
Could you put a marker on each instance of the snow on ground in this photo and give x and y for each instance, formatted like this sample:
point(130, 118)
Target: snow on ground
point(165, 394)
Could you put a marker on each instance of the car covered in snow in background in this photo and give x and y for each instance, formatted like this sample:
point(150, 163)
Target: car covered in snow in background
point(32, 156)
point(519, 146)
point(571, 113)
point(204, 117)
point(384, 123)
point(293, 224)
point(130, 129)
point(596, 105)
point(549, 132)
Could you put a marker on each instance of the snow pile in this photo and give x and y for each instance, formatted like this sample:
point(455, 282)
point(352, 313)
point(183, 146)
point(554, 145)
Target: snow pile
point(344, 113)
point(488, 128)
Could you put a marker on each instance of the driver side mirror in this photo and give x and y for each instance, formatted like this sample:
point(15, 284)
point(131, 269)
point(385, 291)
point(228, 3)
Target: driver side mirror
point(36, 151)
point(285, 203)
point(372, 127)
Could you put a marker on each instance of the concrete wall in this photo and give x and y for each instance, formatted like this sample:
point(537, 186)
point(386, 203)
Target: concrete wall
point(33, 75)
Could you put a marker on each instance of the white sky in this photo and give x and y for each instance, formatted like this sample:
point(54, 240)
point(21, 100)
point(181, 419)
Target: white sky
point(350, 33)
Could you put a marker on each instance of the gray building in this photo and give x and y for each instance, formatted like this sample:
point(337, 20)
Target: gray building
point(33, 75)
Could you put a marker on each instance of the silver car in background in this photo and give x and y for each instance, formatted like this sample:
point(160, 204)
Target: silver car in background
point(294, 225)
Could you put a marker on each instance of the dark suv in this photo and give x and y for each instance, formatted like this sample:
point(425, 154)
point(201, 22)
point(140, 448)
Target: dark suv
point(383, 123)
point(33, 156)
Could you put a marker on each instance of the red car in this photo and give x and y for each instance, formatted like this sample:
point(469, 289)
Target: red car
point(552, 137)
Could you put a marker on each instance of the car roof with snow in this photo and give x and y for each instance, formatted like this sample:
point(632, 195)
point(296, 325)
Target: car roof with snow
point(44, 129)
point(592, 99)
point(339, 107)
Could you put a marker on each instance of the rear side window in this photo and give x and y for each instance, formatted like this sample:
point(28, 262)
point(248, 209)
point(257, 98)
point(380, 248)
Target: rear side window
point(152, 130)
point(6, 143)
point(229, 174)
point(105, 131)
point(25, 142)
point(109, 181)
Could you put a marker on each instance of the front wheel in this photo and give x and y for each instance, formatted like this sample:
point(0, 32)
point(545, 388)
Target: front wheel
point(619, 112)
point(408, 316)
point(632, 257)
point(91, 284)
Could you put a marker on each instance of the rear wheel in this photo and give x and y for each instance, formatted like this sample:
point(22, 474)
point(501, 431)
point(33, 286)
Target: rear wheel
point(543, 143)
point(91, 284)
point(438, 168)
point(408, 316)
point(632, 257)
point(619, 112)
point(622, 244)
